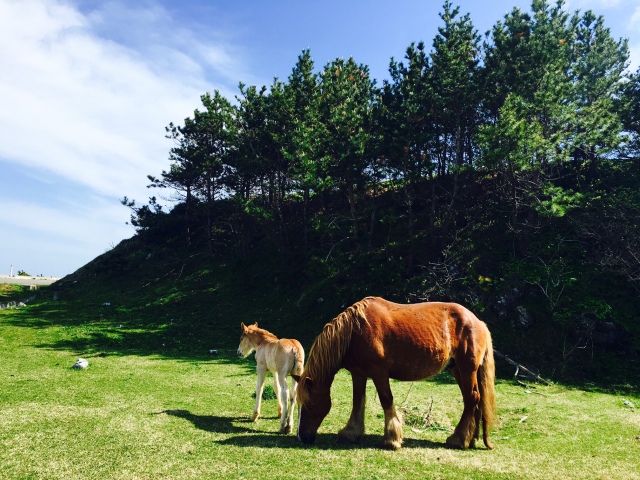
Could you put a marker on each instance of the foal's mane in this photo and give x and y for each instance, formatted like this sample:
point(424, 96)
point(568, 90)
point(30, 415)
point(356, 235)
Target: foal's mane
point(264, 334)
point(329, 348)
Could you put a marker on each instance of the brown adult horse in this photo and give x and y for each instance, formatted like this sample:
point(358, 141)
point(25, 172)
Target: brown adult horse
point(377, 339)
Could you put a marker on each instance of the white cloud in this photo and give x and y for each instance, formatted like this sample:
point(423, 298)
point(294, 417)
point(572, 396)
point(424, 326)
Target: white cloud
point(55, 241)
point(85, 96)
point(632, 32)
point(86, 107)
point(593, 4)
point(97, 217)
point(634, 57)
point(634, 22)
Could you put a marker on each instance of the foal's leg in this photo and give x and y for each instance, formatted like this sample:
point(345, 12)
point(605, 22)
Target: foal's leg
point(276, 389)
point(285, 424)
point(392, 419)
point(291, 406)
point(468, 429)
point(354, 429)
point(262, 373)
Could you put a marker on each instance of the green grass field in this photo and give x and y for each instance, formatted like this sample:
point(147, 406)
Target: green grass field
point(149, 413)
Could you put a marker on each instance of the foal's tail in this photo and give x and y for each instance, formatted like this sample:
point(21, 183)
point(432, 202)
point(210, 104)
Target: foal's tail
point(298, 359)
point(486, 384)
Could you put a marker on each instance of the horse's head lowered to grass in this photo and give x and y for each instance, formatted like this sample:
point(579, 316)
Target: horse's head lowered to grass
point(325, 359)
point(314, 403)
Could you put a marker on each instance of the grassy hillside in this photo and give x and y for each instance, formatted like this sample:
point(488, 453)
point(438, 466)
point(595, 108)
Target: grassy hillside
point(552, 308)
point(550, 299)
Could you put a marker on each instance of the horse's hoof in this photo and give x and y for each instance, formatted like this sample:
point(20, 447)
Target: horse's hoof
point(392, 444)
point(255, 417)
point(455, 442)
point(286, 429)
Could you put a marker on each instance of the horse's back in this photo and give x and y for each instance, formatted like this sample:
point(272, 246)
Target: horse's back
point(413, 340)
point(433, 319)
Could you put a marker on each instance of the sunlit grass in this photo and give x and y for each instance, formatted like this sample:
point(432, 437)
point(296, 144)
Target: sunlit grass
point(155, 415)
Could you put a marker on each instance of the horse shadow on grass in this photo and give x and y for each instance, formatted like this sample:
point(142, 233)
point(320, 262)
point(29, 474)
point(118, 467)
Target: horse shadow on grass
point(324, 441)
point(247, 436)
point(210, 423)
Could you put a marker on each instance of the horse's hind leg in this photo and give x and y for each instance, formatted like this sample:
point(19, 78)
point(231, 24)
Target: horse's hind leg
point(468, 429)
point(392, 419)
point(354, 429)
point(476, 433)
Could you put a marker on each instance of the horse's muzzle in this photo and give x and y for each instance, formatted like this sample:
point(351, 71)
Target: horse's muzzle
point(307, 438)
point(239, 352)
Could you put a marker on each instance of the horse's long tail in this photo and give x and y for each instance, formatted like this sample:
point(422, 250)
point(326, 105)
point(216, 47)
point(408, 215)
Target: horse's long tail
point(486, 384)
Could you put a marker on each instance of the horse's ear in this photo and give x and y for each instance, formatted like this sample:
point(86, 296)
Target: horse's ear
point(243, 326)
point(307, 380)
point(256, 324)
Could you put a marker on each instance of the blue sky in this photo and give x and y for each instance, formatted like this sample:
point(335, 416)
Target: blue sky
point(87, 87)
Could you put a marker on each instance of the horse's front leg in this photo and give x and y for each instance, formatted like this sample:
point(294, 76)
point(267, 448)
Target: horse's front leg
point(354, 429)
point(392, 419)
point(261, 370)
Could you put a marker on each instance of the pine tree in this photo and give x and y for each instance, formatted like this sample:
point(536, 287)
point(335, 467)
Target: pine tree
point(347, 96)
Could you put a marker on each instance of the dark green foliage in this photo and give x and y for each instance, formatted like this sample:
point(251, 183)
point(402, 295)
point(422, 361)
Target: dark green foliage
point(267, 394)
point(628, 106)
point(500, 174)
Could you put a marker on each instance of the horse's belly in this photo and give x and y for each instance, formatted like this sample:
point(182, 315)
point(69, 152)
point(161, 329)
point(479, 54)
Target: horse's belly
point(416, 367)
point(409, 363)
point(410, 373)
point(279, 361)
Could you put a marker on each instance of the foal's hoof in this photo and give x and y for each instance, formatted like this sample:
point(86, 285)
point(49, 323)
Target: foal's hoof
point(285, 429)
point(455, 442)
point(393, 444)
point(255, 417)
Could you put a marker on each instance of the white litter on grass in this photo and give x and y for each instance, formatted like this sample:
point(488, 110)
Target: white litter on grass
point(81, 363)
point(627, 403)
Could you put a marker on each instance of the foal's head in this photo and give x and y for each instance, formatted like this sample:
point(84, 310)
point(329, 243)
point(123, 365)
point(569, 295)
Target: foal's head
point(247, 344)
